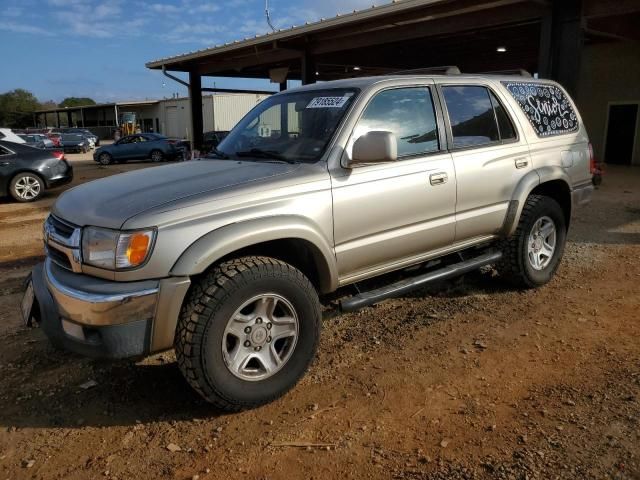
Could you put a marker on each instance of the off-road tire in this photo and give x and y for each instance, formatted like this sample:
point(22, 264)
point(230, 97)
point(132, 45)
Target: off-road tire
point(515, 266)
point(210, 303)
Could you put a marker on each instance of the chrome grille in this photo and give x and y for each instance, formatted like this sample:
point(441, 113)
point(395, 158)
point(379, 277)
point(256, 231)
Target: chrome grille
point(61, 228)
point(62, 242)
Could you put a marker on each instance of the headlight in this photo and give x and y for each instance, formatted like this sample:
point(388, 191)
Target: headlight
point(115, 250)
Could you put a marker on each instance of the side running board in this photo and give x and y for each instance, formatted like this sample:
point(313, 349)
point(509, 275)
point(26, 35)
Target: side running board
point(403, 286)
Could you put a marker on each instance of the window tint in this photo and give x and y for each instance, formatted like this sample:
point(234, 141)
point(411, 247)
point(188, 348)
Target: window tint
point(546, 106)
point(406, 112)
point(471, 116)
point(507, 132)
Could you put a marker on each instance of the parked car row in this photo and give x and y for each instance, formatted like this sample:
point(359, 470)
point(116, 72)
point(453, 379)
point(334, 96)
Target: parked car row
point(26, 172)
point(62, 137)
point(38, 140)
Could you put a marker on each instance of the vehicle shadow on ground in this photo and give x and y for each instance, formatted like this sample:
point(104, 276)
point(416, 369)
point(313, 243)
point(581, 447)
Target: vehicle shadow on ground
point(45, 388)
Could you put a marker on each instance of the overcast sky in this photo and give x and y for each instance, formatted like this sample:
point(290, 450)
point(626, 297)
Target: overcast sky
point(89, 48)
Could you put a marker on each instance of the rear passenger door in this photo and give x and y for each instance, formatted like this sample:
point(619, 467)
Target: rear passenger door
point(390, 214)
point(490, 156)
point(142, 146)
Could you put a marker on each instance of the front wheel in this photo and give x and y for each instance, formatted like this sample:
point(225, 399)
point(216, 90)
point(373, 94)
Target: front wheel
point(105, 158)
point(248, 332)
point(532, 255)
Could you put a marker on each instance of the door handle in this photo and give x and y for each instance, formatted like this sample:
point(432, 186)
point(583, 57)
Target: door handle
point(438, 178)
point(4, 164)
point(521, 162)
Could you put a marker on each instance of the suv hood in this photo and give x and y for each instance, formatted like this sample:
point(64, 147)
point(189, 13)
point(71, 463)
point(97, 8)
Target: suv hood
point(110, 202)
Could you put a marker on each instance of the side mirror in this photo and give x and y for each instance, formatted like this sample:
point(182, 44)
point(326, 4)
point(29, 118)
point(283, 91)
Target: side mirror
point(374, 147)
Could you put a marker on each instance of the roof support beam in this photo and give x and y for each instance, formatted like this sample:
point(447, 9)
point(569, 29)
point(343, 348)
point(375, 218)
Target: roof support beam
point(599, 8)
point(479, 20)
point(247, 59)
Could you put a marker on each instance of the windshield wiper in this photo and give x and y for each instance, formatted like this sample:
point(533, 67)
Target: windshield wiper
point(271, 154)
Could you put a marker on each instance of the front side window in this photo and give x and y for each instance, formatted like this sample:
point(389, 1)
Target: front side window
point(291, 127)
point(471, 115)
point(408, 113)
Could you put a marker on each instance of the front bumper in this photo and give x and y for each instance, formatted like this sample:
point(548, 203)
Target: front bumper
point(106, 319)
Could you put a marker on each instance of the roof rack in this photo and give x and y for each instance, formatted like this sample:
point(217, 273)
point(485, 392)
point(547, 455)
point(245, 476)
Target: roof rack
point(446, 70)
point(516, 71)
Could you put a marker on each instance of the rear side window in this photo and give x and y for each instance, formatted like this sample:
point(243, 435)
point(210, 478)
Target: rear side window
point(406, 112)
point(473, 122)
point(507, 132)
point(546, 106)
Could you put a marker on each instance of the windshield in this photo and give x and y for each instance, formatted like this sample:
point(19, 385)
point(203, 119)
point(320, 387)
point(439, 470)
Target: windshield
point(291, 127)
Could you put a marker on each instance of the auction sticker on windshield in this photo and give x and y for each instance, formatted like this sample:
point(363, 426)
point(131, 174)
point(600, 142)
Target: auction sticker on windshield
point(328, 102)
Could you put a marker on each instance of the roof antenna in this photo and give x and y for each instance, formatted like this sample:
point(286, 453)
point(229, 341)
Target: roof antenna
point(268, 15)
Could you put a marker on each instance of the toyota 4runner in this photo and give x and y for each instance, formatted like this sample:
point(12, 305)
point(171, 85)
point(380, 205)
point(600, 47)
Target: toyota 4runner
point(318, 187)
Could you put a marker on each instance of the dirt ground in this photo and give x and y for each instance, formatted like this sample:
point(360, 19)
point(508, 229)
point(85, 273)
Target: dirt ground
point(473, 380)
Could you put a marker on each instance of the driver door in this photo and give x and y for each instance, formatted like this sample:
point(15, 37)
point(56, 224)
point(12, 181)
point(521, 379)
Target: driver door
point(387, 215)
point(124, 148)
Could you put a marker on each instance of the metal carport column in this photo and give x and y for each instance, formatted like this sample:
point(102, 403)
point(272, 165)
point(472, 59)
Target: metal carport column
point(195, 104)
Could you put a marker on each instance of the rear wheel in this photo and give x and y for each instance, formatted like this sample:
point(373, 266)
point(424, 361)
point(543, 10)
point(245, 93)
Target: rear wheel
point(105, 158)
point(157, 156)
point(26, 187)
point(248, 332)
point(532, 255)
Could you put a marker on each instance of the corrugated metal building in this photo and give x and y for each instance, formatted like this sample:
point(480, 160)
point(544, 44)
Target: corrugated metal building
point(170, 116)
point(219, 112)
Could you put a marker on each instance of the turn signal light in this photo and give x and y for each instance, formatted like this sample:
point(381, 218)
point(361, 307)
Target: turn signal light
point(138, 248)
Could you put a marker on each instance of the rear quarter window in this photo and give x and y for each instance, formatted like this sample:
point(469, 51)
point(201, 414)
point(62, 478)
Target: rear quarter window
point(547, 108)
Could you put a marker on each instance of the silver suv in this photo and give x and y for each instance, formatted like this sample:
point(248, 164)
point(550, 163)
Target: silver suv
point(316, 188)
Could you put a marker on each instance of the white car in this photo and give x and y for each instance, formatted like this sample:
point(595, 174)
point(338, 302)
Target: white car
point(7, 135)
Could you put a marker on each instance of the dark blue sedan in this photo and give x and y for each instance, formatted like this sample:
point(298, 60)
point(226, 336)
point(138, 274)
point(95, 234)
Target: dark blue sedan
point(139, 147)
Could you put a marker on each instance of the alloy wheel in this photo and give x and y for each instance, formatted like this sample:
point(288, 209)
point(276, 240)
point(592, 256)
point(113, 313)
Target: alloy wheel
point(260, 337)
point(541, 243)
point(28, 187)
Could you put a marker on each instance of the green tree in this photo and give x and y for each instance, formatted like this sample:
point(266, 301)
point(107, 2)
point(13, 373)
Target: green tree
point(16, 108)
point(76, 102)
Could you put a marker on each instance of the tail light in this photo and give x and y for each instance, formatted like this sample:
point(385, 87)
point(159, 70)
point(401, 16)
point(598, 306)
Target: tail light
point(172, 141)
point(592, 160)
point(58, 154)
